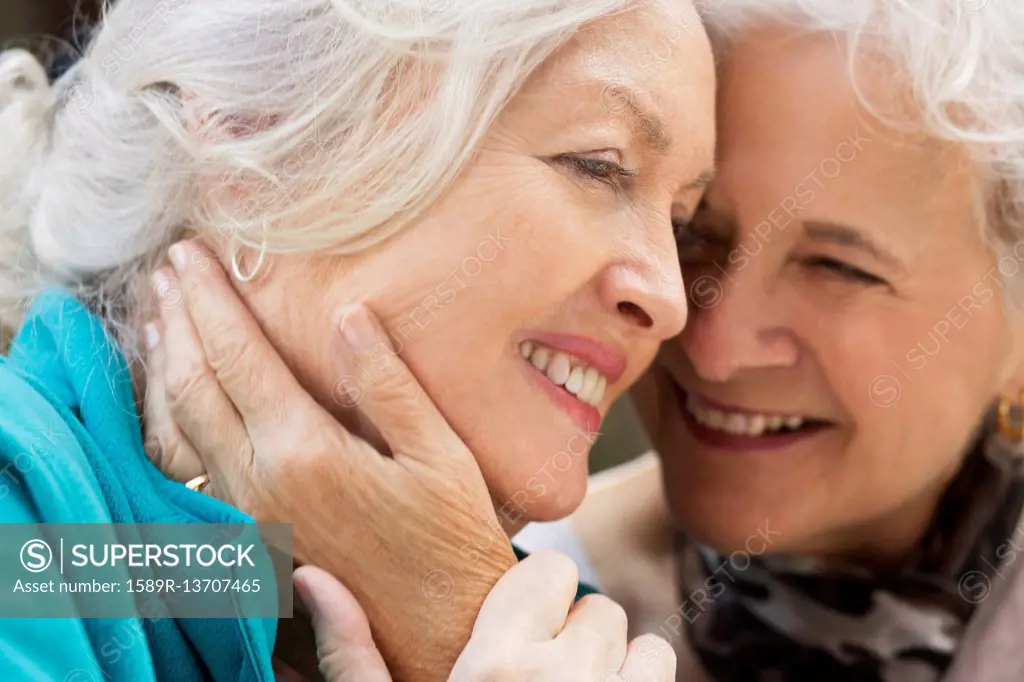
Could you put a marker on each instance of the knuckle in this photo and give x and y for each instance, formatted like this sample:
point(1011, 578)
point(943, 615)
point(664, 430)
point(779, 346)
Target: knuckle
point(154, 451)
point(559, 569)
point(185, 381)
point(171, 458)
point(656, 643)
point(228, 350)
point(657, 655)
point(335, 663)
point(252, 495)
point(383, 373)
point(166, 446)
point(395, 382)
point(610, 614)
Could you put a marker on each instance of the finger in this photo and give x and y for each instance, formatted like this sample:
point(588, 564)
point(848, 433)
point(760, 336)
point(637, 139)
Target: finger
point(166, 446)
point(384, 389)
point(198, 404)
point(595, 635)
point(344, 643)
point(550, 580)
point(649, 659)
point(251, 373)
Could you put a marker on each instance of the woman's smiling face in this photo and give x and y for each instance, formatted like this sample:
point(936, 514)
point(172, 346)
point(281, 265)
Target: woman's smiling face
point(554, 249)
point(848, 326)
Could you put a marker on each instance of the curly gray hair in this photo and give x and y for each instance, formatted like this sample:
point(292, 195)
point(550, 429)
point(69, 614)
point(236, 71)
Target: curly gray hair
point(964, 60)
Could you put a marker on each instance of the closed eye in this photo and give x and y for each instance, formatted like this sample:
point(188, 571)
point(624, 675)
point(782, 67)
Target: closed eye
point(596, 170)
point(843, 270)
point(698, 243)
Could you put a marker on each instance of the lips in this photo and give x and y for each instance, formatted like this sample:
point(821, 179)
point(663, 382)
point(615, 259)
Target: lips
point(741, 422)
point(569, 372)
point(575, 372)
point(719, 425)
point(605, 359)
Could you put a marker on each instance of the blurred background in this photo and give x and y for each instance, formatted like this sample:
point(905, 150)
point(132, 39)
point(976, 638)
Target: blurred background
point(28, 19)
point(50, 28)
point(54, 30)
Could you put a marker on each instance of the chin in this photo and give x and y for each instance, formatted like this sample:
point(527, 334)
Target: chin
point(727, 522)
point(561, 504)
point(726, 536)
point(546, 495)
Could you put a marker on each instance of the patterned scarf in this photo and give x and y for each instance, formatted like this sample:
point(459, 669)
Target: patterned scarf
point(791, 619)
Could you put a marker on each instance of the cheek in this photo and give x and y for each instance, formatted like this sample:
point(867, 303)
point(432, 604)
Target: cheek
point(913, 392)
point(301, 334)
point(491, 247)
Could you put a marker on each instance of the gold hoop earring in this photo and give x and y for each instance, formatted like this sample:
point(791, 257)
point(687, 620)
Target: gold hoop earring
point(260, 257)
point(1014, 432)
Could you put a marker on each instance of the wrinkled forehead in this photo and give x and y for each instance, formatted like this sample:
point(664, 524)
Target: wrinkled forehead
point(655, 55)
point(788, 108)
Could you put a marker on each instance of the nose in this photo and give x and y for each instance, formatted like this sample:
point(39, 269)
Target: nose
point(647, 292)
point(735, 327)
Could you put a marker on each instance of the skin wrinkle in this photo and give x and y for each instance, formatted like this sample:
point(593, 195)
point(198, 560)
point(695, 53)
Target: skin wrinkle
point(791, 338)
point(517, 216)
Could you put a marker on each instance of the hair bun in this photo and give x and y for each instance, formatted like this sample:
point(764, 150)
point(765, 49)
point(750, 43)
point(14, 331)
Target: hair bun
point(26, 101)
point(21, 76)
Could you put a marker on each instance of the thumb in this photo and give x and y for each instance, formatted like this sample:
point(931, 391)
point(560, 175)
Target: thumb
point(344, 644)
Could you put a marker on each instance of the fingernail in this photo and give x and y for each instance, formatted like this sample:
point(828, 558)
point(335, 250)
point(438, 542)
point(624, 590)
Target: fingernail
point(358, 329)
point(152, 334)
point(164, 283)
point(178, 256)
point(156, 282)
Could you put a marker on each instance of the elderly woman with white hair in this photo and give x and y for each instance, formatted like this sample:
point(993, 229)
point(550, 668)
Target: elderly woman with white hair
point(838, 486)
point(489, 178)
point(839, 426)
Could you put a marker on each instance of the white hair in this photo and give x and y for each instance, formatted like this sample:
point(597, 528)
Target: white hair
point(340, 119)
point(963, 59)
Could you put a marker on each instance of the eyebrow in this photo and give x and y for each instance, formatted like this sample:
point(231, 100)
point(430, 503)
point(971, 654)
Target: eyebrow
point(647, 126)
point(843, 235)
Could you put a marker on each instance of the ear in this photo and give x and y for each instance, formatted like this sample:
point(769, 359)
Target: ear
point(223, 198)
point(206, 123)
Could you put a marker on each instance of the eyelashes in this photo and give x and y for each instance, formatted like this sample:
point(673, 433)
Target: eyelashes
point(601, 171)
point(696, 246)
point(844, 270)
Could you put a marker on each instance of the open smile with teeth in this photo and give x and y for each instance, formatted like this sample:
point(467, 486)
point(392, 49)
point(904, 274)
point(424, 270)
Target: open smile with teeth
point(742, 423)
point(569, 372)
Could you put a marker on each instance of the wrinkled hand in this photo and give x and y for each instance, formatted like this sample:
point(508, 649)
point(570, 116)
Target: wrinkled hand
point(414, 536)
point(528, 629)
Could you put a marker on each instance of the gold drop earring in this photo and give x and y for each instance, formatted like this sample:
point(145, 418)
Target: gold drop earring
point(1007, 427)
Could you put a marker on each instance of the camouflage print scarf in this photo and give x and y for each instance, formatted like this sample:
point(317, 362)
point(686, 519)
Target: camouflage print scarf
point(795, 619)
